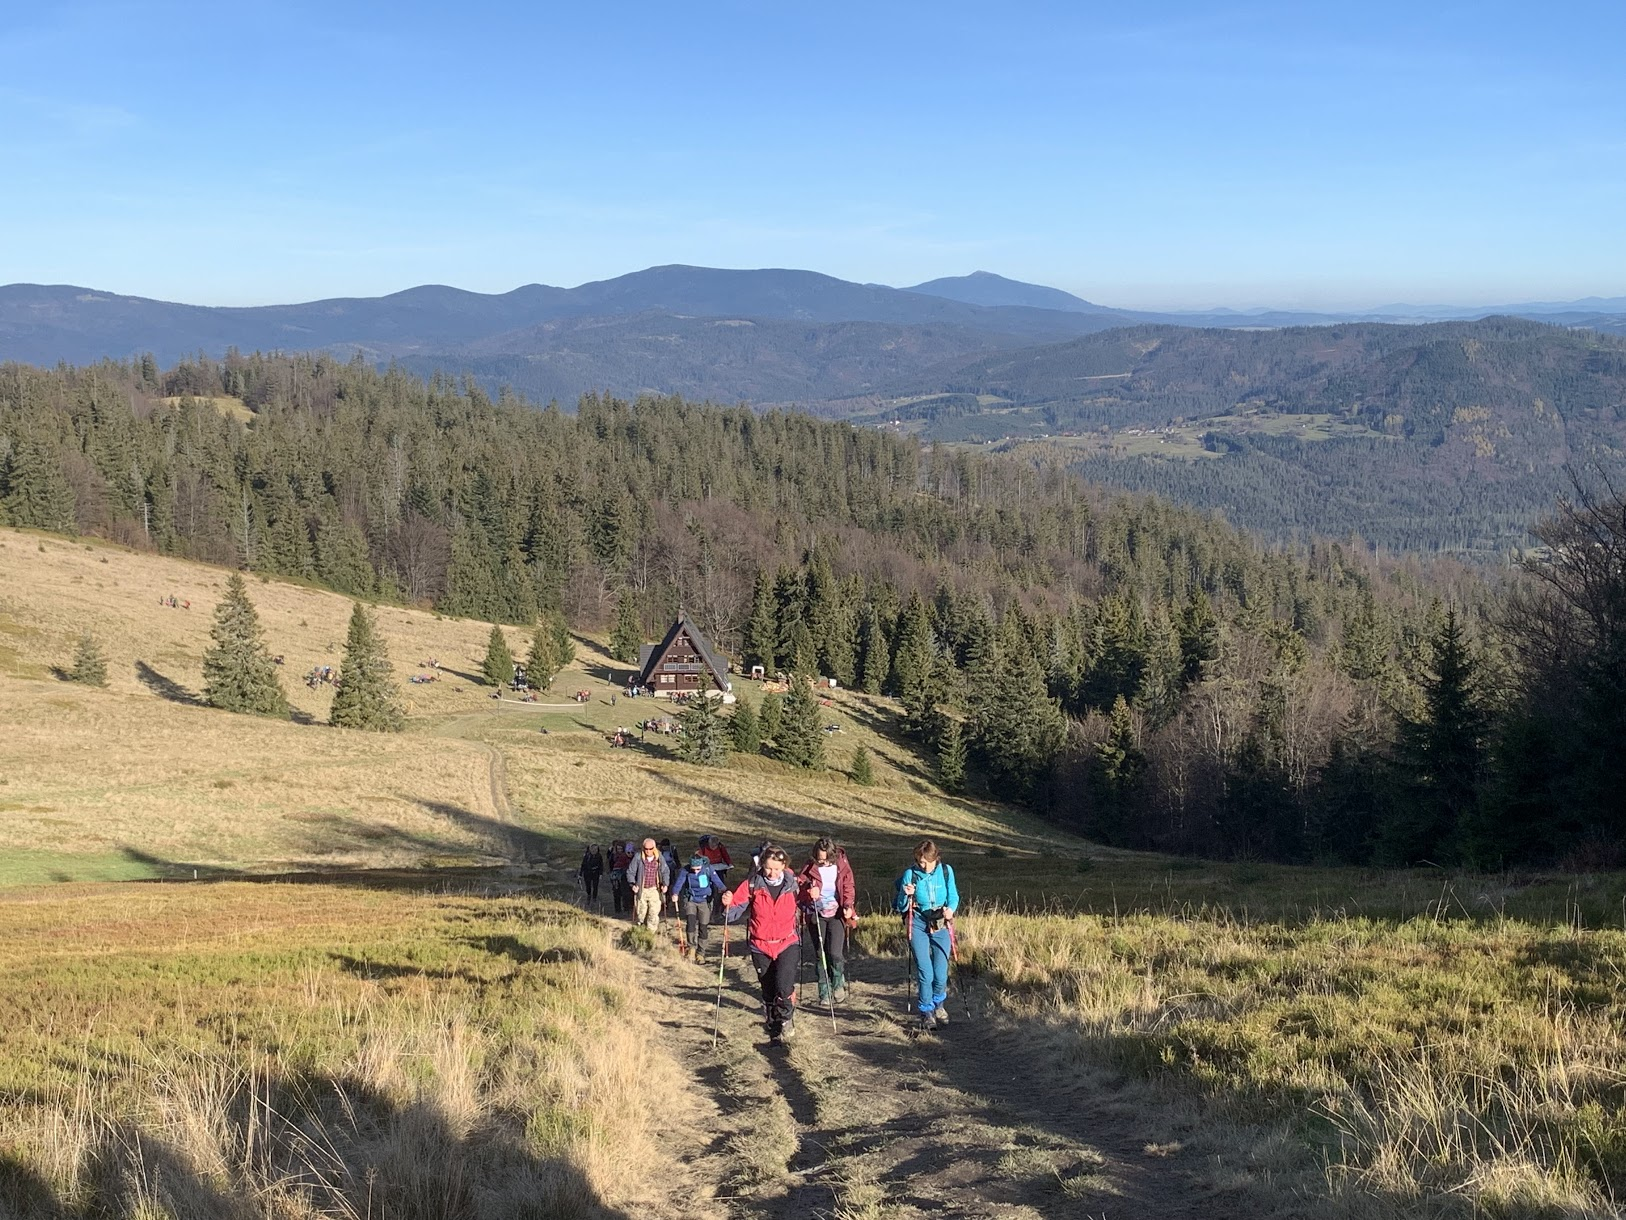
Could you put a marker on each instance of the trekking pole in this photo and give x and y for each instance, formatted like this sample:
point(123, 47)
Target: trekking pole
point(908, 951)
point(718, 1017)
point(824, 965)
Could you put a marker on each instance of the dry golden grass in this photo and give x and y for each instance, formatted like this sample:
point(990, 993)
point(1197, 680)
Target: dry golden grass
point(1451, 1067)
point(134, 779)
point(298, 1051)
point(116, 772)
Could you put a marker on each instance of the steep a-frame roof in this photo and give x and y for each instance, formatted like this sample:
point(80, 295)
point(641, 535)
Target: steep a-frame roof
point(652, 655)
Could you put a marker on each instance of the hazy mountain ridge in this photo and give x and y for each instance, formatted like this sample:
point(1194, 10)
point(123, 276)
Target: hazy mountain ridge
point(1448, 434)
point(45, 324)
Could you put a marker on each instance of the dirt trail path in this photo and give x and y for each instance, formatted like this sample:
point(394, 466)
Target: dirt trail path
point(970, 1121)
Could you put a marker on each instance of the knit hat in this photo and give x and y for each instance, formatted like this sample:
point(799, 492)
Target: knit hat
point(698, 862)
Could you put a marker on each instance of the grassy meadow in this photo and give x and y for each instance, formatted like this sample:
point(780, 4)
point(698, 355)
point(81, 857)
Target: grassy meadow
point(1420, 1043)
point(275, 1050)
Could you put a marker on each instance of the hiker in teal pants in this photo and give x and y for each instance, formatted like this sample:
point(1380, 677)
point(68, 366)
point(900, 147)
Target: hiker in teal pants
point(927, 899)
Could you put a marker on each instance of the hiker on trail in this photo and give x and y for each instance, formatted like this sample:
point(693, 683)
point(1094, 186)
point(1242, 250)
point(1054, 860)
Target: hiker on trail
point(620, 857)
point(712, 848)
point(650, 879)
point(927, 899)
point(769, 896)
point(591, 870)
point(829, 901)
point(694, 891)
point(669, 854)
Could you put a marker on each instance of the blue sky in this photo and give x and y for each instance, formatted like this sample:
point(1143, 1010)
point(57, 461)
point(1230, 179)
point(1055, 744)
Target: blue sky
point(1184, 155)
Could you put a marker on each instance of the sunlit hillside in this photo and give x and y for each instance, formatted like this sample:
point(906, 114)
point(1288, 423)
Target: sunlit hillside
point(139, 779)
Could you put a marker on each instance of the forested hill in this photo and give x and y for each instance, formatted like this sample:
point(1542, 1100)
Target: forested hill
point(1143, 672)
point(1450, 435)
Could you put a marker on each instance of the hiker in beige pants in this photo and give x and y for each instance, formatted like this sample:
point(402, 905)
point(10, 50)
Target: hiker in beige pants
point(650, 877)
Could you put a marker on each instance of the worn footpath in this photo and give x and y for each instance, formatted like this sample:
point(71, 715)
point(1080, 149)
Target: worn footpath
point(867, 1119)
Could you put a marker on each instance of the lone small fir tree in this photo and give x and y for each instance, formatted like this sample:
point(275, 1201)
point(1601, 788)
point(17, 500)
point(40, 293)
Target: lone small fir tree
point(89, 663)
point(238, 673)
point(366, 697)
point(744, 728)
point(498, 667)
point(705, 733)
point(768, 718)
point(863, 769)
point(800, 739)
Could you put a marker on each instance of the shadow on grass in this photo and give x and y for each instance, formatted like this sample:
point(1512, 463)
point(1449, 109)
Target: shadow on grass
point(165, 687)
point(344, 1146)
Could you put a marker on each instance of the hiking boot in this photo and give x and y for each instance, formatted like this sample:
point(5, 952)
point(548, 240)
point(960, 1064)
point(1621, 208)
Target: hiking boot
point(824, 995)
point(838, 984)
point(927, 1023)
point(787, 1031)
point(941, 1015)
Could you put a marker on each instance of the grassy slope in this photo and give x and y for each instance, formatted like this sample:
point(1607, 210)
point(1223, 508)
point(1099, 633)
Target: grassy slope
point(290, 1051)
point(1448, 1040)
point(137, 780)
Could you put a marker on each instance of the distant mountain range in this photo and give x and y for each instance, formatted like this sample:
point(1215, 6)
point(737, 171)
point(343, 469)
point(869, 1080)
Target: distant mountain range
point(1416, 432)
point(775, 336)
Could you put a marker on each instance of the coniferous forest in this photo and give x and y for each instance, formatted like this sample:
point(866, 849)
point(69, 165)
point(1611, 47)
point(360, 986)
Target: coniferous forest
point(1143, 673)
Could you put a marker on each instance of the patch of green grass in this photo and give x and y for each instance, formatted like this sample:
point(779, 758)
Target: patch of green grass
point(36, 867)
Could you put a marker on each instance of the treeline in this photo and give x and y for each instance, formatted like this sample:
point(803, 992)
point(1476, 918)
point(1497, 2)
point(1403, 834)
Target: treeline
point(1142, 672)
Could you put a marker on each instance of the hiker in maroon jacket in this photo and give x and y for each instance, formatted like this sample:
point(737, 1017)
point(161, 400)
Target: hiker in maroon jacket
point(770, 896)
point(829, 899)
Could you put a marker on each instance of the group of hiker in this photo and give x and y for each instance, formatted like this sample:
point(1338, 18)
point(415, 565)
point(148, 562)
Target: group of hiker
point(816, 905)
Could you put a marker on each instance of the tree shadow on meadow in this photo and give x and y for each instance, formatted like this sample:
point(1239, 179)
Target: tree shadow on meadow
point(306, 1144)
point(166, 687)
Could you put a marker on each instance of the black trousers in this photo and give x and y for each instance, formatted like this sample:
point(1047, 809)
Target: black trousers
point(590, 885)
point(834, 933)
point(621, 893)
point(697, 923)
point(778, 978)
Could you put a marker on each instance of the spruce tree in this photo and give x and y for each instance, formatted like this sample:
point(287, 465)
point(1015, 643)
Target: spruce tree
point(1199, 637)
point(1118, 765)
point(873, 653)
point(762, 630)
point(551, 649)
point(37, 495)
point(773, 711)
point(800, 740)
point(564, 644)
point(912, 650)
point(744, 729)
point(1442, 757)
point(863, 767)
point(341, 558)
point(627, 635)
point(704, 735)
point(1018, 726)
point(238, 672)
point(89, 663)
point(498, 667)
point(951, 756)
point(366, 697)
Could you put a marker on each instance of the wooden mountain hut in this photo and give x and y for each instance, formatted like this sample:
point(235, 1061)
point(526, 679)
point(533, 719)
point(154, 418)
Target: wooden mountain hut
point(683, 663)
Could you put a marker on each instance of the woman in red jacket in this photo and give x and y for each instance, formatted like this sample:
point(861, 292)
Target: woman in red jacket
point(829, 896)
point(771, 895)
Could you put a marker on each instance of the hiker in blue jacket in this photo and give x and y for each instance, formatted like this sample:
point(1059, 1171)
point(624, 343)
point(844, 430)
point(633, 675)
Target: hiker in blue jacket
point(927, 899)
point(694, 891)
